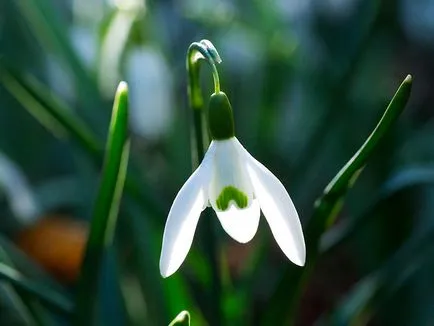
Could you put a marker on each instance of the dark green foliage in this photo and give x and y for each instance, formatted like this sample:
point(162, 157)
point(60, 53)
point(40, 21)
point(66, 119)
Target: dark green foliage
point(307, 82)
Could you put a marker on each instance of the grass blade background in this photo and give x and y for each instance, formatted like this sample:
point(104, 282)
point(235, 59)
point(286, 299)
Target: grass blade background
point(106, 208)
point(49, 297)
point(371, 292)
point(53, 33)
point(307, 89)
point(49, 110)
point(24, 300)
point(410, 177)
point(40, 315)
point(13, 308)
point(52, 113)
point(290, 287)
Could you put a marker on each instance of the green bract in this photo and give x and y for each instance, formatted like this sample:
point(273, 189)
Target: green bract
point(220, 119)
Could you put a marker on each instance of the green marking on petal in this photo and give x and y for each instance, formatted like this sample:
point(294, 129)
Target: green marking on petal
point(231, 193)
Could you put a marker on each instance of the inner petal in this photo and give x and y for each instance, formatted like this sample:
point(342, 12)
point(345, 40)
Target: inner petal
point(240, 224)
point(230, 183)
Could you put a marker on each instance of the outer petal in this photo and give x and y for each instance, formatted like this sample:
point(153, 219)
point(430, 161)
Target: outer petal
point(183, 217)
point(278, 210)
point(240, 224)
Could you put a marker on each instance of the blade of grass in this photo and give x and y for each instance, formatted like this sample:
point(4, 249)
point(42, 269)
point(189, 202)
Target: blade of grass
point(40, 315)
point(106, 208)
point(368, 295)
point(47, 296)
point(168, 295)
point(19, 261)
point(50, 111)
point(12, 307)
point(58, 118)
point(284, 301)
point(134, 237)
point(133, 298)
point(355, 304)
point(335, 99)
point(33, 307)
point(407, 178)
point(52, 33)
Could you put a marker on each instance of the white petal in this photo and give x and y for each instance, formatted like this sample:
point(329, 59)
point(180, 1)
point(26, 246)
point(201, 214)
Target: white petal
point(278, 210)
point(229, 171)
point(183, 217)
point(240, 224)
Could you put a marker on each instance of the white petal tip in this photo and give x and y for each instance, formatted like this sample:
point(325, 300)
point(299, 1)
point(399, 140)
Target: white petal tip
point(163, 273)
point(183, 218)
point(244, 240)
point(299, 261)
point(240, 224)
point(298, 257)
point(166, 271)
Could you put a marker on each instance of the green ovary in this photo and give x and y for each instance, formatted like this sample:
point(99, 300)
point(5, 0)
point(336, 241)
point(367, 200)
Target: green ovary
point(231, 193)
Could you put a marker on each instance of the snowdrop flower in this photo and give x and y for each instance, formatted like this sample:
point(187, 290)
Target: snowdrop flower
point(237, 187)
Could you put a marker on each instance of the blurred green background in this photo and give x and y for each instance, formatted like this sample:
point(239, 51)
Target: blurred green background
point(308, 81)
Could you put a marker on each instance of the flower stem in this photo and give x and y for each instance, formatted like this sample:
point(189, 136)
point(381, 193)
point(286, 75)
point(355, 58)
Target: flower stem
point(203, 50)
point(197, 52)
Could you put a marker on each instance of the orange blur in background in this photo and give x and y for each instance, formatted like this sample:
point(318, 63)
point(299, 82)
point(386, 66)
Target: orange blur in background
point(56, 242)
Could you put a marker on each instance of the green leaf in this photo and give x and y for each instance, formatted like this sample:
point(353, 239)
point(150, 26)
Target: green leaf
point(106, 208)
point(183, 318)
point(52, 33)
point(348, 174)
point(22, 300)
point(369, 294)
point(14, 310)
point(15, 258)
point(134, 237)
point(355, 305)
point(49, 110)
point(404, 179)
point(57, 117)
point(47, 296)
point(290, 287)
point(168, 295)
point(40, 315)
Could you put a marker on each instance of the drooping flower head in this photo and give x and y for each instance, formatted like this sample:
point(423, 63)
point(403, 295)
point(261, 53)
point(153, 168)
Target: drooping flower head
point(237, 187)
